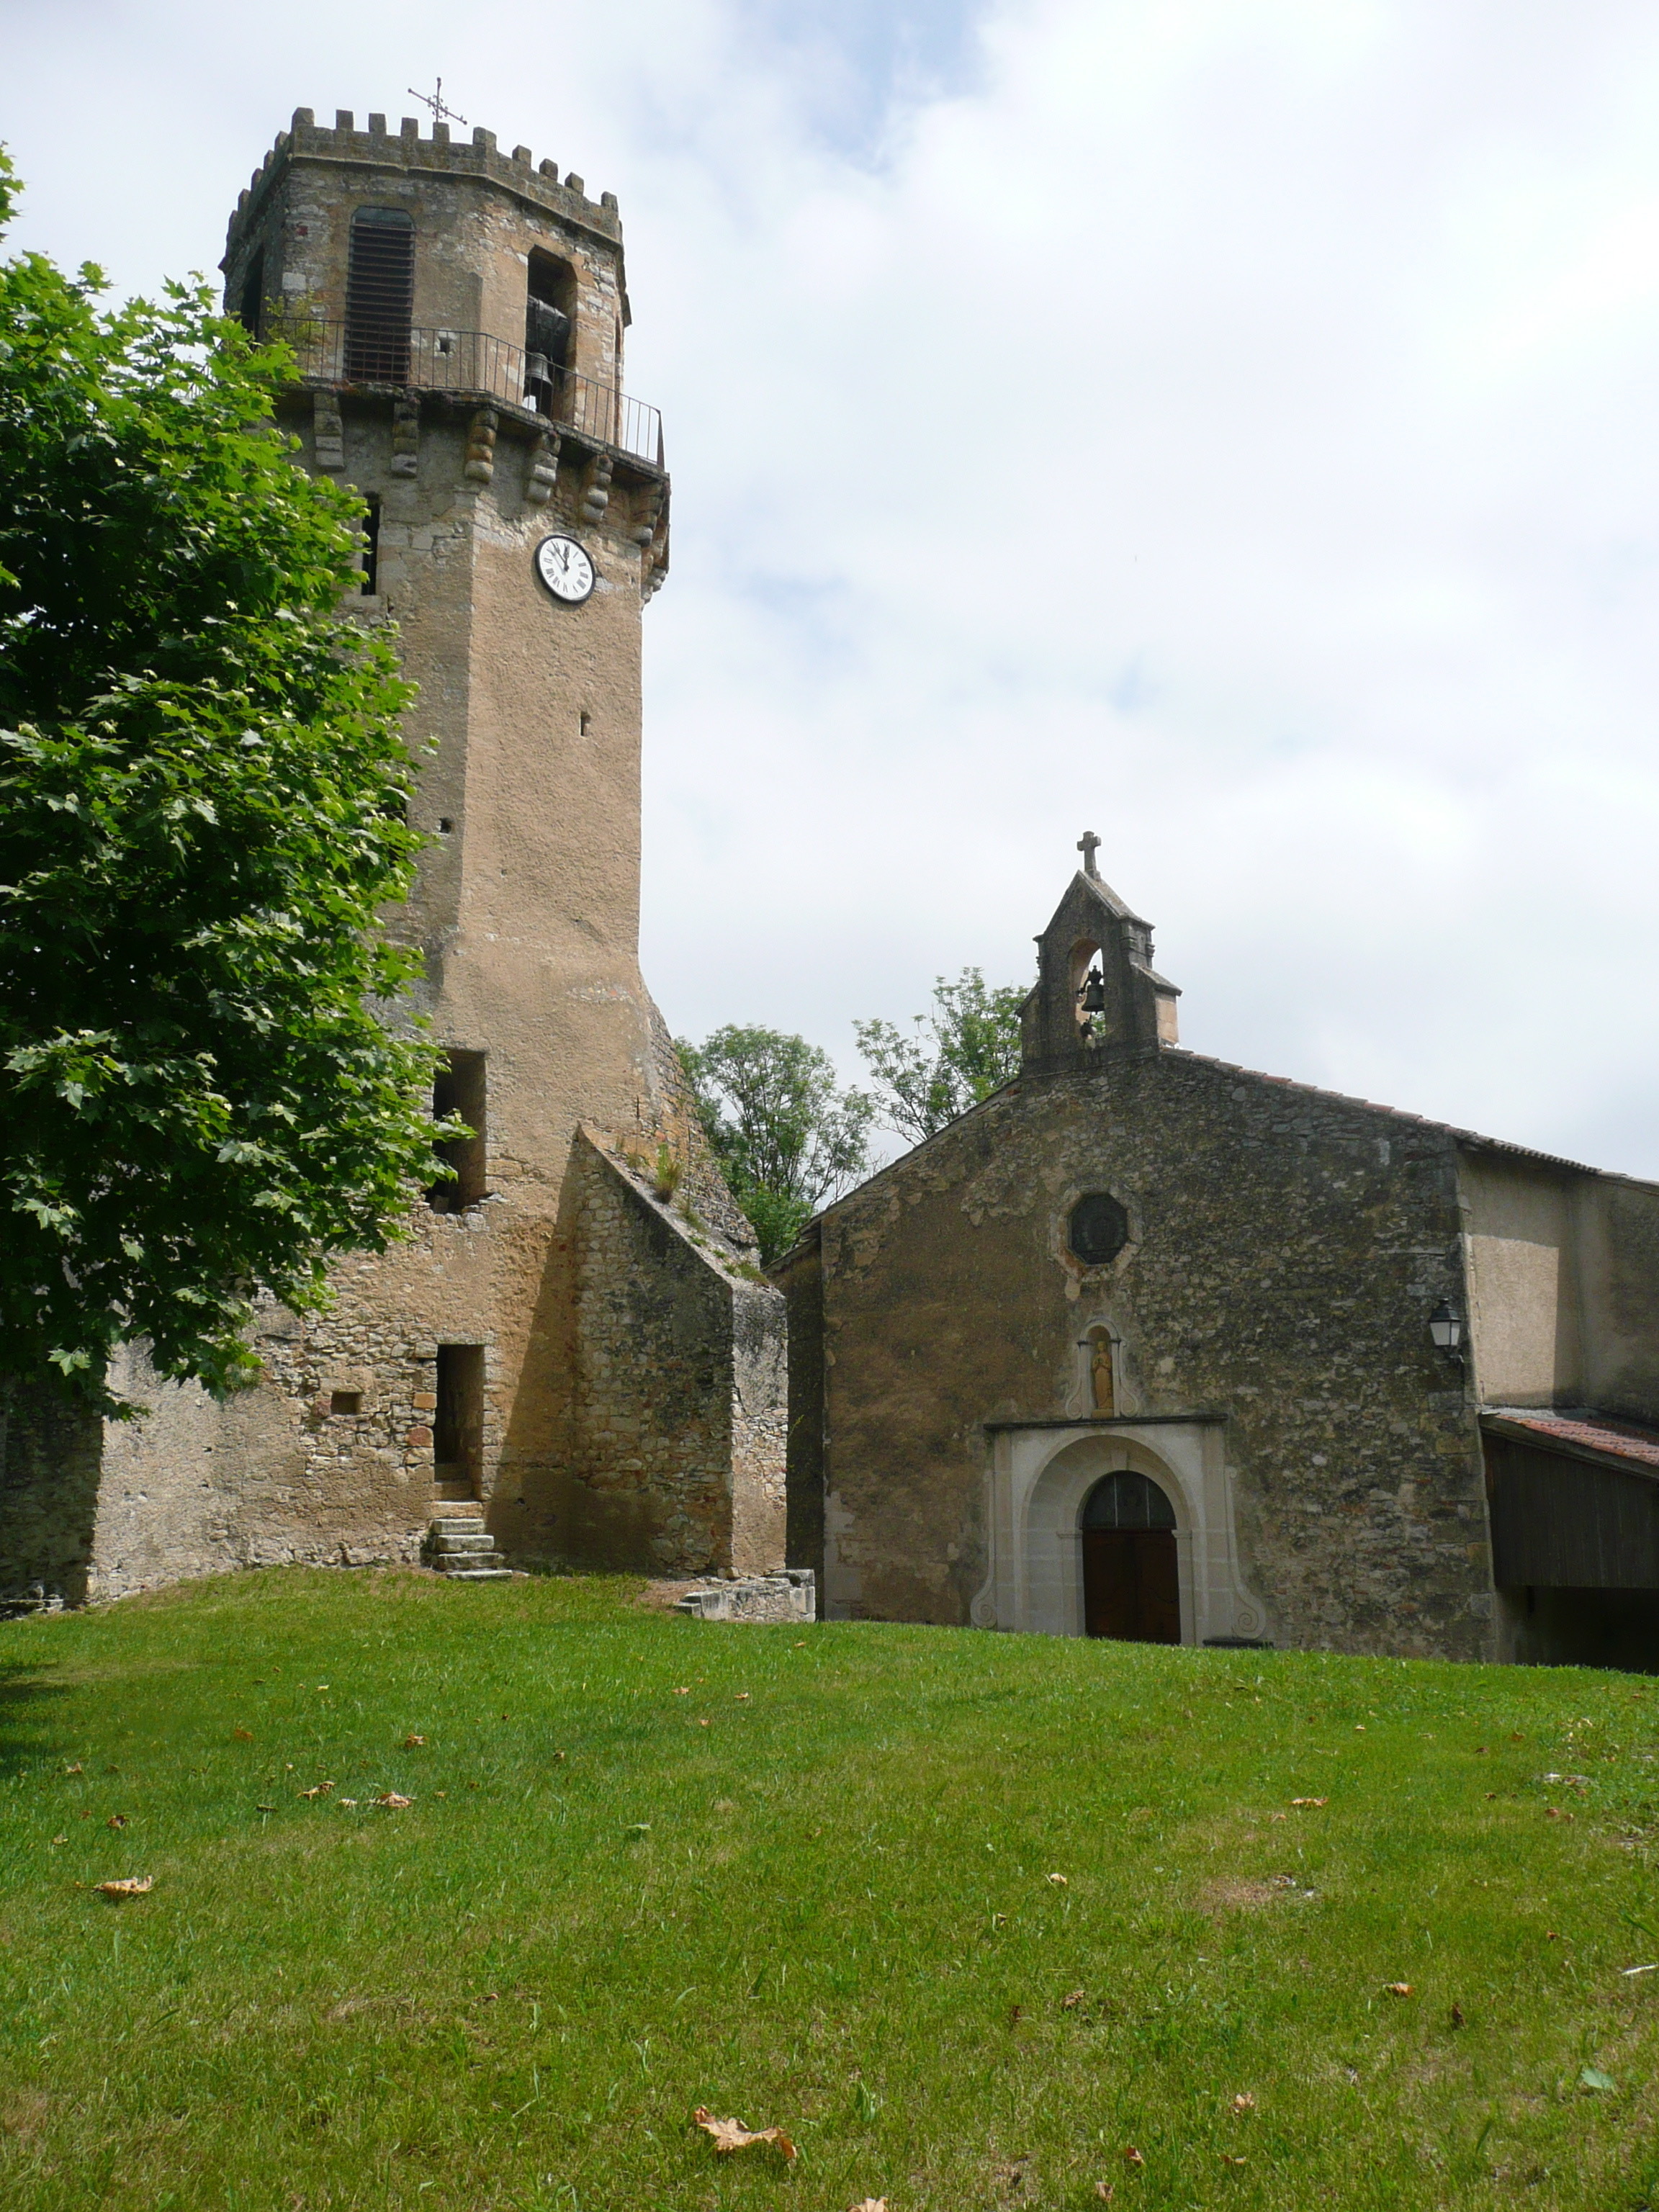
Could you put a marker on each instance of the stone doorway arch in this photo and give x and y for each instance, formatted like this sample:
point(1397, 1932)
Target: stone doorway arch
point(1039, 1476)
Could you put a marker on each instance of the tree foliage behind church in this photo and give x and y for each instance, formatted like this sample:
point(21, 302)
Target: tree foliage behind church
point(202, 811)
point(786, 1136)
point(965, 1049)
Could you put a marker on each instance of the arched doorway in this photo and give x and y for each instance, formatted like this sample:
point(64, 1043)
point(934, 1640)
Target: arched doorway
point(1131, 1580)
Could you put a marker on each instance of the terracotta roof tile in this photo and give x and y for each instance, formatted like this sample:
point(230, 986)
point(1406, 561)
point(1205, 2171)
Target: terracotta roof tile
point(1586, 1431)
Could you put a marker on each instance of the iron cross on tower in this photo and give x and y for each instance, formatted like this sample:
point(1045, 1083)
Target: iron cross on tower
point(435, 100)
point(1088, 844)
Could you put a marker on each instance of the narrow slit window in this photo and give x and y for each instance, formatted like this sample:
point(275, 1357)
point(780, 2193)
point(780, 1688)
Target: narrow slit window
point(459, 1090)
point(371, 546)
point(379, 295)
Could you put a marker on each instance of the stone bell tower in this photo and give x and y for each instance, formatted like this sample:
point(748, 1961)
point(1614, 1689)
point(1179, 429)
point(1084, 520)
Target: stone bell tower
point(1097, 991)
point(575, 1344)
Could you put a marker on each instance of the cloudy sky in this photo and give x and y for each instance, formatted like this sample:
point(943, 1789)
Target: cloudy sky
point(1228, 425)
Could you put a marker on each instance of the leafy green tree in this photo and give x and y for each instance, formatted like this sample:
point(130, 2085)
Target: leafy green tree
point(964, 1049)
point(786, 1136)
point(204, 1092)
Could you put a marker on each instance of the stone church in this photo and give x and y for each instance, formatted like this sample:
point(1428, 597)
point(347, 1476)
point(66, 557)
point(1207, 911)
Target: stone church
point(575, 1360)
point(1150, 1347)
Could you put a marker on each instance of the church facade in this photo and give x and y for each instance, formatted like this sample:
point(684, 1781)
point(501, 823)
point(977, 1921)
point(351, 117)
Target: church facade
point(575, 1351)
point(1151, 1347)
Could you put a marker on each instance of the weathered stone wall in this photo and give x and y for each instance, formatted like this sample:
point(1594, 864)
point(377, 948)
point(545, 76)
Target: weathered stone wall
point(1285, 1249)
point(526, 911)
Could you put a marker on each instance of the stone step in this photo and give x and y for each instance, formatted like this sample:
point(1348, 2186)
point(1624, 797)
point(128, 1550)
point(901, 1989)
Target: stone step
point(466, 1540)
point(458, 1524)
point(476, 1574)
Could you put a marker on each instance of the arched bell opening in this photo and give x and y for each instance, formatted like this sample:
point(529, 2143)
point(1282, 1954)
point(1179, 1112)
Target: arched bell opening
point(1131, 1571)
point(548, 329)
point(1088, 986)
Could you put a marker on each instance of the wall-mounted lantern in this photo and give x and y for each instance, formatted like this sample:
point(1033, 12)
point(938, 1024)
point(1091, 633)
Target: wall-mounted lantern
point(1446, 1330)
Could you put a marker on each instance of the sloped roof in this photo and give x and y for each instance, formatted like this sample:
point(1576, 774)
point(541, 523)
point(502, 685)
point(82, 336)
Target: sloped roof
point(1471, 1138)
point(1578, 1432)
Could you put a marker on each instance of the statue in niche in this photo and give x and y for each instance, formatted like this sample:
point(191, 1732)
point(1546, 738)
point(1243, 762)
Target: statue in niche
point(1104, 1396)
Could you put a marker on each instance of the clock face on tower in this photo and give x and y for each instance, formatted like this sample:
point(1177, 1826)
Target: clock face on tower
point(566, 570)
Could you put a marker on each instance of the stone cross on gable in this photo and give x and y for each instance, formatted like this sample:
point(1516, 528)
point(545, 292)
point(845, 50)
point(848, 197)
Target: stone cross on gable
point(1088, 844)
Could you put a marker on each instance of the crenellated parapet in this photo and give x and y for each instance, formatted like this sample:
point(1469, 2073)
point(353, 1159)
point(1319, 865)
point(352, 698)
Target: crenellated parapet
point(538, 184)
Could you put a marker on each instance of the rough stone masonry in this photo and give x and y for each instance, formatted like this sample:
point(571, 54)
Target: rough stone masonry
point(597, 1367)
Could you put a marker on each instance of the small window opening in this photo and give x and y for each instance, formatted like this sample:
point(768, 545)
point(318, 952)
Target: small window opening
point(445, 825)
point(251, 306)
point(371, 535)
point(587, 723)
point(379, 295)
point(548, 320)
point(345, 1401)
point(458, 1425)
point(459, 1090)
point(1099, 1229)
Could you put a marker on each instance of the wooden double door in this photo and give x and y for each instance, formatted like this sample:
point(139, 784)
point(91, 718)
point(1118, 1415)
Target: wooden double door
point(1131, 1585)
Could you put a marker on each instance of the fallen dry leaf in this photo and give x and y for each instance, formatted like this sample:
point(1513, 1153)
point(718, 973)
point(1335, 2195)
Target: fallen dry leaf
point(870, 2203)
point(1398, 1989)
point(731, 2134)
point(1104, 2190)
point(1058, 1880)
point(1311, 1800)
point(702, 1725)
point(59, 1839)
point(1071, 2003)
point(1231, 2158)
point(243, 1736)
point(1132, 2156)
point(1279, 1816)
point(1016, 2014)
point(1550, 1936)
point(1457, 2016)
point(413, 1742)
point(1554, 1813)
point(391, 1799)
point(1243, 2102)
point(77, 1769)
point(133, 1885)
point(116, 1820)
point(350, 1802)
point(685, 1693)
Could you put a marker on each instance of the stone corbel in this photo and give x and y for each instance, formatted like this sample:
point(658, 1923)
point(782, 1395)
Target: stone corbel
point(328, 431)
point(544, 468)
point(481, 446)
point(405, 437)
point(651, 507)
point(596, 489)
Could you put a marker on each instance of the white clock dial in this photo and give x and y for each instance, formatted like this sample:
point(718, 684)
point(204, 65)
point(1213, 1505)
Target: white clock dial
point(566, 570)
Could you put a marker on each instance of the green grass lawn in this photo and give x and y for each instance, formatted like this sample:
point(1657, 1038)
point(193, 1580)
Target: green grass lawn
point(968, 1915)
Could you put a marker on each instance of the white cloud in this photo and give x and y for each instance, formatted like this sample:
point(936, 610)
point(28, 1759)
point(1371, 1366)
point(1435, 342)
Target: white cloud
point(1222, 423)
